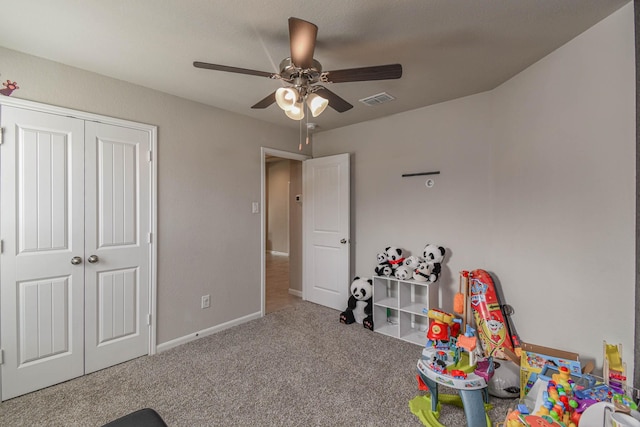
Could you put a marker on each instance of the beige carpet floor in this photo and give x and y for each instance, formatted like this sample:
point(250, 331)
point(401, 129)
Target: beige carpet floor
point(295, 367)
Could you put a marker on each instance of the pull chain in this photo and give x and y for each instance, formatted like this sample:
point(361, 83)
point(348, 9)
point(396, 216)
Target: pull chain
point(307, 125)
point(300, 139)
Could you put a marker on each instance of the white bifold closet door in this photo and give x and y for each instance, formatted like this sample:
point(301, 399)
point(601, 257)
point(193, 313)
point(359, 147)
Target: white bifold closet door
point(75, 261)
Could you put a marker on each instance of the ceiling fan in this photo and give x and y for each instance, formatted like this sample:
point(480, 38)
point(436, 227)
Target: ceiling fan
point(302, 75)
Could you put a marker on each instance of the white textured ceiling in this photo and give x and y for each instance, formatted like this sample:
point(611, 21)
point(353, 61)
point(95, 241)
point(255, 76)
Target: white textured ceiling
point(448, 48)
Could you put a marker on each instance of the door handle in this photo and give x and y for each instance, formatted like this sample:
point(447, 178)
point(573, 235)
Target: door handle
point(93, 259)
point(343, 241)
point(76, 260)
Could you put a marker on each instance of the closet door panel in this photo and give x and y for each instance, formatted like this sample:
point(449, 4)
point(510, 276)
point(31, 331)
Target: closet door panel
point(117, 228)
point(42, 227)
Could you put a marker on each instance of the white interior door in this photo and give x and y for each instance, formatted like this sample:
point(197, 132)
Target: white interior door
point(75, 266)
point(326, 243)
point(117, 223)
point(42, 226)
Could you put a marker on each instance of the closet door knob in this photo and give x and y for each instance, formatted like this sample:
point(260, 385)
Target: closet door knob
point(76, 260)
point(93, 259)
point(343, 241)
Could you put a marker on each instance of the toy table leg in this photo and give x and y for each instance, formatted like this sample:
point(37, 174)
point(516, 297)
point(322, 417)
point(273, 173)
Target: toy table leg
point(433, 389)
point(473, 403)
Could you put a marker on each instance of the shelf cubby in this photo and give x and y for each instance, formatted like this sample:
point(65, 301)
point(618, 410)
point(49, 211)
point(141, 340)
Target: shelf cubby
point(400, 307)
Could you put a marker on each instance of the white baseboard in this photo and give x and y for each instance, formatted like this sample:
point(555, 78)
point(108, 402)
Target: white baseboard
point(203, 333)
point(295, 293)
point(279, 253)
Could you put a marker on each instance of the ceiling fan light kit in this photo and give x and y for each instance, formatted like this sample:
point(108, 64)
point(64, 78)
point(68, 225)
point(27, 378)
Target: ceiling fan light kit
point(303, 73)
point(296, 112)
point(316, 104)
point(286, 98)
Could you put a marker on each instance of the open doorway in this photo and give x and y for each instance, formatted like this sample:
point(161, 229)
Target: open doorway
point(281, 229)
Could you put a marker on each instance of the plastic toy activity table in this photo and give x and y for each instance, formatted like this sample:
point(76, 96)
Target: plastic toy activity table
point(472, 389)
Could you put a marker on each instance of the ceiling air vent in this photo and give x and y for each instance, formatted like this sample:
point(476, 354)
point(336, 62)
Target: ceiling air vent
point(377, 99)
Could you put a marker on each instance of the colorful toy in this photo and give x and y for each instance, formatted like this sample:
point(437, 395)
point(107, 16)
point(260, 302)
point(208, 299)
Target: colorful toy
point(485, 369)
point(441, 327)
point(559, 403)
point(449, 359)
point(568, 398)
point(9, 87)
point(614, 370)
point(488, 315)
point(468, 344)
point(460, 299)
point(359, 306)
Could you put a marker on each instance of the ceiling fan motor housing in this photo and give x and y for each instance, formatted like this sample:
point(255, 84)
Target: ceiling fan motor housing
point(289, 71)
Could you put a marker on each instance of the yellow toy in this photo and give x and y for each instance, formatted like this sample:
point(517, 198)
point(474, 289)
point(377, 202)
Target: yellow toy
point(614, 370)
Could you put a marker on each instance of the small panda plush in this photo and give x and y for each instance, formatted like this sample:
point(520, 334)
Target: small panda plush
point(411, 262)
point(403, 273)
point(382, 258)
point(433, 253)
point(394, 256)
point(383, 270)
point(427, 272)
point(359, 307)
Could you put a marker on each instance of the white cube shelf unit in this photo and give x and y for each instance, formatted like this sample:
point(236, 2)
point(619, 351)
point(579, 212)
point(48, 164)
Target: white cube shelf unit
point(398, 305)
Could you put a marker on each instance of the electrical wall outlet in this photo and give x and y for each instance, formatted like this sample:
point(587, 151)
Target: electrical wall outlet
point(205, 302)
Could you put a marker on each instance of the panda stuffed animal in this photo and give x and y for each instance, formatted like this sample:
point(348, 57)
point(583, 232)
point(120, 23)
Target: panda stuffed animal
point(394, 256)
point(383, 268)
point(382, 258)
point(411, 262)
point(434, 254)
point(403, 273)
point(426, 272)
point(359, 307)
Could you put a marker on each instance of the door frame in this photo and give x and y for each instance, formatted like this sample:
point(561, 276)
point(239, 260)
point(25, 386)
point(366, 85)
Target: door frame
point(153, 193)
point(264, 152)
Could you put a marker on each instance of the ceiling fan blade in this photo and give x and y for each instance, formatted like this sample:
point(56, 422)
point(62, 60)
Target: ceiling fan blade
point(228, 69)
point(268, 100)
point(379, 72)
point(302, 39)
point(335, 102)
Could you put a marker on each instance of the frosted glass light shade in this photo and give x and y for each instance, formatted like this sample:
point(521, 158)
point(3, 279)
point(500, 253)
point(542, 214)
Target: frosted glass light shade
point(297, 112)
point(316, 104)
point(286, 98)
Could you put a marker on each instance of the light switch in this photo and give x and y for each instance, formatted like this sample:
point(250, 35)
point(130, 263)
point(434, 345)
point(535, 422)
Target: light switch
point(255, 207)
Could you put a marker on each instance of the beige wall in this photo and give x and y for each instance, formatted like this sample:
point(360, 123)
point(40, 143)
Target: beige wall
point(277, 200)
point(564, 192)
point(295, 227)
point(388, 209)
point(209, 173)
point(536, 185)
